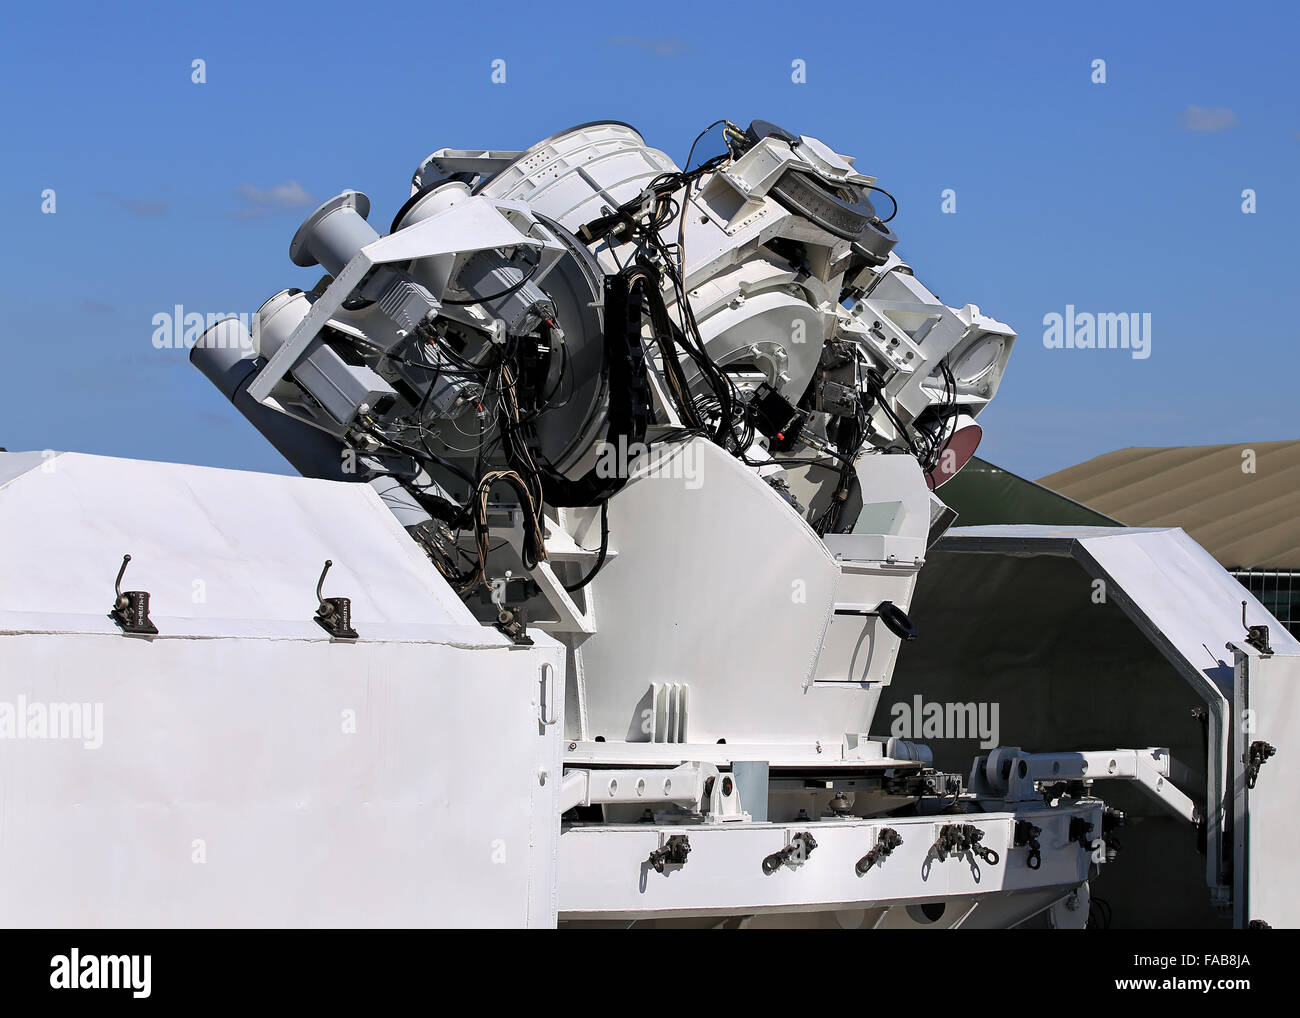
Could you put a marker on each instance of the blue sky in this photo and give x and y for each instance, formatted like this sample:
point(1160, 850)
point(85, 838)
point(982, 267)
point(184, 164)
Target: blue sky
point(1115, 197)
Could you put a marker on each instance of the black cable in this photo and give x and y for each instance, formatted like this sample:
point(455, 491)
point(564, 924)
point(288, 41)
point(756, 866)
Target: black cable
point(937, 439)
point(600, 556)
point(691, 153)
point(873, 187)
point(723, 387)
point(415, 454)
point(877, 390)
point(630, 220)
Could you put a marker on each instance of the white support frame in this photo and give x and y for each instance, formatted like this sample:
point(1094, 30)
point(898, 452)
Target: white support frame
point(476, 224)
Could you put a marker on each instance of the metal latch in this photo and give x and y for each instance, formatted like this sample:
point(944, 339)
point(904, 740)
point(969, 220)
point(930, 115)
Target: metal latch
point(1256, 636)
point(131, 608)
point(510, 622)
point(334, 615)
point(800, 848)
point(1259, 754)
point(958, 839)
point(1027, 834)
point(889, 840)
point(673, 852)
point(1081, 831)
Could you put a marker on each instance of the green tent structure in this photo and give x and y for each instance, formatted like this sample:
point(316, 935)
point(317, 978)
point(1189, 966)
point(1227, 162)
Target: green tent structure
point(1240, 502)
point(983, 494)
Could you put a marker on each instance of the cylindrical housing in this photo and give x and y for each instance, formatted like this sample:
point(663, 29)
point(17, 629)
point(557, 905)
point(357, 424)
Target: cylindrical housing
point(277, 319)
point(226, 356)
point(579, 175)
point(333, 234)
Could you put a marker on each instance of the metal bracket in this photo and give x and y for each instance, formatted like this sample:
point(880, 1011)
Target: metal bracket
point(1009, 776)
point(475, 224)
point(131, 608)
point(334, 615)
point(721, 801)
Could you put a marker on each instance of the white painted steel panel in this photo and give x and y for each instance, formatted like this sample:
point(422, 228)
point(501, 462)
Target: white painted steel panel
point(431, 813)
point(604, 873)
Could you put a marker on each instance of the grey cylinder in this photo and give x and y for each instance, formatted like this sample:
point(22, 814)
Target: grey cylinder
point(277, 319)
point(225, 355)
point(432, 203)
point(333, 234)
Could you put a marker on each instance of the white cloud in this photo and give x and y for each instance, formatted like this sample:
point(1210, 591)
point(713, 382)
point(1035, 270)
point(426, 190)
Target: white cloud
point(1207, 118)
point(660, 47)
point(141, 208)
point(283, 197)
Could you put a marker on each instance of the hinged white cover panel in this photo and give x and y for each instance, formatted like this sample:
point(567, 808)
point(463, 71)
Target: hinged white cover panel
point(1268, 712)
point(207, 544)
